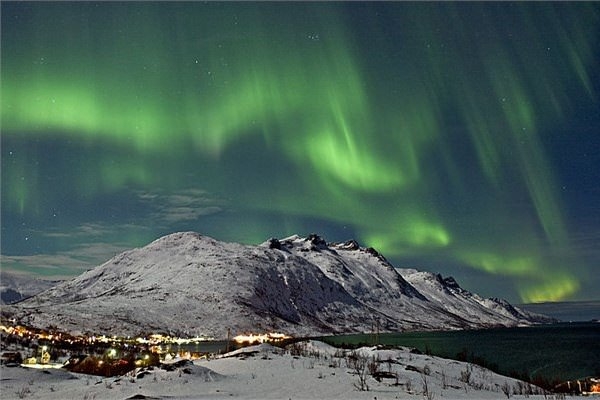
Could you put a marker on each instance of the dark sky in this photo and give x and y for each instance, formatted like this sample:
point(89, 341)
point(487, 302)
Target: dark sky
point(460, 138)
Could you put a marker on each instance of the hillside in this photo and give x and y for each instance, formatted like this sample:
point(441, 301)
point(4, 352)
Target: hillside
point(187, 284)
point(16, 287)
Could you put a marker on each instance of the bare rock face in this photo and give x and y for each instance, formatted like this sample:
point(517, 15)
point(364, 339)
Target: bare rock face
point(187, 284)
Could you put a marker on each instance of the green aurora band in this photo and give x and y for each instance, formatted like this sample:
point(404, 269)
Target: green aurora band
point(422, 126)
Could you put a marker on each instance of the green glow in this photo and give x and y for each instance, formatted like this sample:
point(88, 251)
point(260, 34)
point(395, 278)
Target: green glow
point(516, 105)
point(538, 280)
point(558, 288)
point(411, 233)
point(345, 162)
point(423, 127)
point(422, 233)
point(23, 182)
point(495, 263)
point(483, 139)
point(76, 110)
point(540, 185)
point(117, 176)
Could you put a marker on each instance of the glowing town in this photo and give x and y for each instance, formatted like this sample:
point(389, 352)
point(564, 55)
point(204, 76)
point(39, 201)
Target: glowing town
point(110, 355)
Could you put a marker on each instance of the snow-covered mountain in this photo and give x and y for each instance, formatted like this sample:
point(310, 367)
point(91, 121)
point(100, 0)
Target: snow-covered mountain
point(15, 287)
point(187, 284)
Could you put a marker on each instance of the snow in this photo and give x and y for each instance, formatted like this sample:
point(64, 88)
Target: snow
point(306, 370)
point(187, 285)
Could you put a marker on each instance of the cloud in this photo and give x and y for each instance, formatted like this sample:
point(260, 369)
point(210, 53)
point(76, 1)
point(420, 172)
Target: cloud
point(63, 264)
point(87, 230)
point(85, 246)
point(96, 253)
point(54, 266)
point(160, 210)
point(183, 206)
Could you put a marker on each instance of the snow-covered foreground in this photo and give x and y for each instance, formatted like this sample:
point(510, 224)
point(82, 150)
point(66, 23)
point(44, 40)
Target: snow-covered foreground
point(307, 370)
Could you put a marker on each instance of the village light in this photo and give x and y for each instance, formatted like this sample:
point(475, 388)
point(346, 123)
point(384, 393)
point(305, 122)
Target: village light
point(112, 352)
point(261, 338)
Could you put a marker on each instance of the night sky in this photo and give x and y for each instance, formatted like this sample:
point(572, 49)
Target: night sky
point(460, 138)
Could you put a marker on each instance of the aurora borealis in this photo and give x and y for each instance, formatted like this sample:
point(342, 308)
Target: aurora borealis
point(460, 138)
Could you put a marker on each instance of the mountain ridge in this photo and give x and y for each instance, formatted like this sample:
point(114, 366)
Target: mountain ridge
point(187, 284)
point(16, 287)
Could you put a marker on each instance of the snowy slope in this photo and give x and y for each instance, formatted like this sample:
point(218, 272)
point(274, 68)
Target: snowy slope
point(186, 284)
point(309, 370)
point(458, 301)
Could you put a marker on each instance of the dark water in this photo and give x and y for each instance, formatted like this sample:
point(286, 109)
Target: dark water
point(561, 351)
